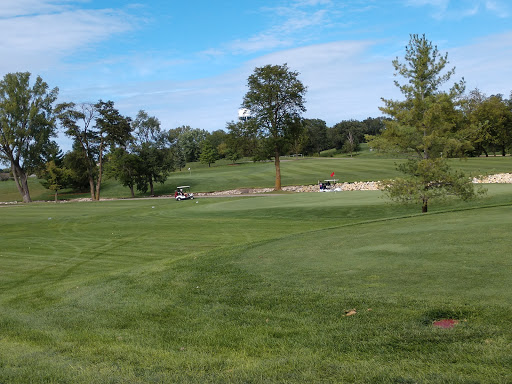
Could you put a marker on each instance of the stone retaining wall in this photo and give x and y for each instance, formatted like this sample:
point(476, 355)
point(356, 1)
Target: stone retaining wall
point(339, 187)
point(499, 178)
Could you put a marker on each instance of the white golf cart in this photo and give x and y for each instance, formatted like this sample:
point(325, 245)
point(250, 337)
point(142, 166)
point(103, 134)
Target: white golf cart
point(328, 185)
point(183, 193)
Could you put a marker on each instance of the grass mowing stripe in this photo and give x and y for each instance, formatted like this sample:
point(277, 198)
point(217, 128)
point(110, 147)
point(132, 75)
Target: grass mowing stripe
point(240, 307)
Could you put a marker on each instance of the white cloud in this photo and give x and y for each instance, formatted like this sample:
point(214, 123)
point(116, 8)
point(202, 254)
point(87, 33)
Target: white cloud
point(344, 81)
point(446, 9)
point(291, 28)
point(342, 84)
point(485, 64)
point(37, 39)
point(498, 8)
point(12, 8)
point(311, 3)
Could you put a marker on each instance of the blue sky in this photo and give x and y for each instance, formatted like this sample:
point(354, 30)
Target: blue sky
point(187, 62)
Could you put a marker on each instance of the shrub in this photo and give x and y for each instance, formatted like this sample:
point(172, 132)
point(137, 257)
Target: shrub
point(4, 176)
point(328, 153)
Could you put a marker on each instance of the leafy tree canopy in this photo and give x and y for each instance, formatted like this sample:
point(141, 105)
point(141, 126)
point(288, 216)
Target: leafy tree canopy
point(276, 99)
point(27, 124)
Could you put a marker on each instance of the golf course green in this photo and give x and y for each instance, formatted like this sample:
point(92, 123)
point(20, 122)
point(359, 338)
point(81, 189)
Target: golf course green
point(293, 288)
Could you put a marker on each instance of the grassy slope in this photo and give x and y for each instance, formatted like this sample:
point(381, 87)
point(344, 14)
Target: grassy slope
point(255, 290)
point(251, 175)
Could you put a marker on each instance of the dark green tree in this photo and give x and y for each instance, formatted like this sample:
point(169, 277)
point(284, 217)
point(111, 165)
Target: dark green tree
point(78, 123)
point(95, 129)
point(56, 177)
point(27, 124)
point(208, 153)
point(276, 99)
point(150, 145)
point(125, 167)
point(492, 120)
point(425, 125)
point(114, 131)
point(178, 155)
point(217, 139)
point(189, 141)
point(316, 136)
point(242, 139)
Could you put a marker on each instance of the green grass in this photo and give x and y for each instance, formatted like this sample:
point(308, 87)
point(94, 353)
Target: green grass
point(254, 290)
point(222, 176)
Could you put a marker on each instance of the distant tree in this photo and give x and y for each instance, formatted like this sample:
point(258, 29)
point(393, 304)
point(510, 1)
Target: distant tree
point(95, 129)
point(242, 139)
point(217, 139)
point(56, 177)
point(276, 100)
point(156, 158)
point(78, 121)
point(492, 119)
point(208, 153)
point(189, 140)
point(373, 125)
point(26, 125)
point(351, 144)
point(178, 155)
point(425, 124)
point(316, 136)
point(349, 134)
point(114, 130)
point(125, 167)
point(474, 130)
point(79, 169)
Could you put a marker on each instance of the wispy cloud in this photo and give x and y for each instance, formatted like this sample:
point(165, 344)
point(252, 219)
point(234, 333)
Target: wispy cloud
point(485, 63)
point(342, 82)
point(290, 28)
point(498, 8)
point(13, 8)
point(38, 34)
point(449, 9)
point(295, 23)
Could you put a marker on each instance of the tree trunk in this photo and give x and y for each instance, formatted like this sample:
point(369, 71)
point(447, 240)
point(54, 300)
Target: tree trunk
point(20, 177)
point(151, 187)
point(424, 207)
point(131, 191)
point(278, 170)
point(56, 195)
point(91, 183)
point(100, 172)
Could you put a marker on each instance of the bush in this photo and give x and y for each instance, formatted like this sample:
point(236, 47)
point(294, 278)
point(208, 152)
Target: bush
point(4, 176)
point(328, 153)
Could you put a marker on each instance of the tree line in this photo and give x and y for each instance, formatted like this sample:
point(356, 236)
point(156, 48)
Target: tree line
point(429, 124)
point(135, 151)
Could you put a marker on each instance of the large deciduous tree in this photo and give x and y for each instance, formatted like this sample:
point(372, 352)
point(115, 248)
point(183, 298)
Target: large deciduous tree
point(155, 158)
point(276, 100)
point(27, 124)
point(491, 120)
point(114, 131)
point(78, 123)
point(94, 128)
point(316, 136)
point(208, 153)
point(426, 126)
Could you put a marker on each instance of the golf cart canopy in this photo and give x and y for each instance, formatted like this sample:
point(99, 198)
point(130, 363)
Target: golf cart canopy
point(183, 186)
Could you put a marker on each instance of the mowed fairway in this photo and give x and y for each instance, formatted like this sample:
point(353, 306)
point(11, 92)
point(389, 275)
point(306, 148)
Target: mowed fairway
point(257, 290)
point(221, 176)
